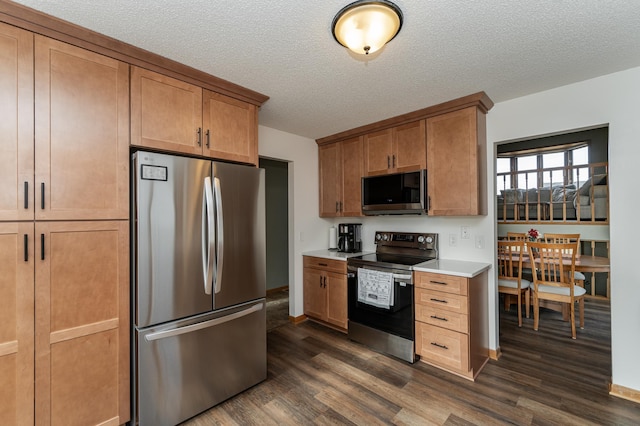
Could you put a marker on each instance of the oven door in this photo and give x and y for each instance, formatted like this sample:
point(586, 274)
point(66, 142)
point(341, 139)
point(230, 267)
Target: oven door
point(398, 319)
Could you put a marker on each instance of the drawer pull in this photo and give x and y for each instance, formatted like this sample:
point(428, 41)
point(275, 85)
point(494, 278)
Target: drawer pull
point(438, 282)
point(323, 264)
point(438, 300)
point(439, 345)
point(439, 318)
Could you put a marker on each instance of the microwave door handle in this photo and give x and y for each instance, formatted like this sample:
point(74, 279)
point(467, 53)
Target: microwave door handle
point(207, 237)
point(220, 235)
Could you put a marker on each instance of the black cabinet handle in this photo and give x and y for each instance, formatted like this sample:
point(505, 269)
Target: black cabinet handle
point(388, 162)
point(26, 195)
point(439, 345)
point(337, 207)
point(208, 134)
point(439, 318)
point(439, 300)
point(42, 195)
point(394, 161)
point(199, 132)
point(438, 282)
point(325, 282)
point(323, 264)
point(26, 247)
point(42, 245)
point(320, 281)
point(341, 206)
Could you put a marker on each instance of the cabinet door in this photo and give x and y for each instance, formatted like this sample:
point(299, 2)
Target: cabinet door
point(337, 299)
point(351, 177)
point(452, 163)
point(16, 124)
point(378, 147)
point(81, 133)
point(82, 322)
point(330, 165)
point(410, 152)
point(16, 323)
point(315, 296)
point(230, 128)
point(166, 113)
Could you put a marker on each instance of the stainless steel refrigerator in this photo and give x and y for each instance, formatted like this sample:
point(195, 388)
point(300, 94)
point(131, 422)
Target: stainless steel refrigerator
point(198, 287)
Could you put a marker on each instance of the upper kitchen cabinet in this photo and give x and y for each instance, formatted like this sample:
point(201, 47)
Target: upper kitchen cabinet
point(173, 115)
point(16, 125)
point(396, 149)
point(231, 128)
point(340, 166)
point(81, 134)
point(456, 153)
point(166, 113)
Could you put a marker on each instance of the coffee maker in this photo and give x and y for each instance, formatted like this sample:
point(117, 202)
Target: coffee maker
point(349, 239)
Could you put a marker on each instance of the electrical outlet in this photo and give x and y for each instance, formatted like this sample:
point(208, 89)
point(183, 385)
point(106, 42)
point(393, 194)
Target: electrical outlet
point(479, 242)
point(453, 240)
point(464, 232)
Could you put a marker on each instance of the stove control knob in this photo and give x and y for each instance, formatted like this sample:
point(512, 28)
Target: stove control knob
point(421, 239)
point(378, 237)
point(385, 237)
point(429, 240)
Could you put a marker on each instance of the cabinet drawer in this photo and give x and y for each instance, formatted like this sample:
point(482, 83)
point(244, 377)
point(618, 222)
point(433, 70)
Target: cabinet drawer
point(441, 282)
point(445, 301)
point(443, 347)
point(442, 318)
point(338, 266)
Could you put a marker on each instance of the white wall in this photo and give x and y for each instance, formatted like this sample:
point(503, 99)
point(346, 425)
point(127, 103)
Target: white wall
point(609, 99)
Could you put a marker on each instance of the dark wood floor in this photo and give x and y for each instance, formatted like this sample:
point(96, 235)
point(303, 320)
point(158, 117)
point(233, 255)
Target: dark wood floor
point(318, 376)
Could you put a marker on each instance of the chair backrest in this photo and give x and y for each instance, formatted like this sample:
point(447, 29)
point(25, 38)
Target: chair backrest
point(510, 260)
point(554, 264)
point(564, 239)
point(517, 236)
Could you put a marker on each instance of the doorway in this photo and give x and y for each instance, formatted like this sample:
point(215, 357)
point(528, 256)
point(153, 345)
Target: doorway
point(277, 240)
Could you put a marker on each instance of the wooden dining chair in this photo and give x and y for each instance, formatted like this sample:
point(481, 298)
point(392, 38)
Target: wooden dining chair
point(553, 279)
point(563, 239)
point(510, 281)
point(517, 236)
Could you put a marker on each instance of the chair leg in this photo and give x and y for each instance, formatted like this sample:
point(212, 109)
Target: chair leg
point(536, 313)
point(581, 304)
point(572, 308)
point(519, 309)
point(506, 302)
point(527, 301)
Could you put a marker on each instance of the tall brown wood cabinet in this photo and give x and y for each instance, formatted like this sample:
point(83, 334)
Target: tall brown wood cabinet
point(325, 290)
point(396, 149)
point(173, 115)
point(456, 153)
point(64, 290)
point(340, 166)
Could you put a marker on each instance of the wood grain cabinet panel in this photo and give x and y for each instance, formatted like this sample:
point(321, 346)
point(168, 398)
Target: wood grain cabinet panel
point(325, 290)
point(230, 128)
point(452, 329)
point(396, 149)
point(81, 133)
point(456, 152)
point(166, 113)
point(82, 322)
point(340, 173)
point(16, 323)
point(16, 124)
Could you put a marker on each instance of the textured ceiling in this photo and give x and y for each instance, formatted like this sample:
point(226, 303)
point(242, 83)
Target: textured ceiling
point(446, 49)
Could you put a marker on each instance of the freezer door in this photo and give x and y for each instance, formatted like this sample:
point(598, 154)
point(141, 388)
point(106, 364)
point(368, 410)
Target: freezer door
point(240, 265)
point(187, 367)
point(169, 232)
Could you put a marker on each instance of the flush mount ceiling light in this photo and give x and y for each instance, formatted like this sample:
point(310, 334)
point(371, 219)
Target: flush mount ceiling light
point(365, 26)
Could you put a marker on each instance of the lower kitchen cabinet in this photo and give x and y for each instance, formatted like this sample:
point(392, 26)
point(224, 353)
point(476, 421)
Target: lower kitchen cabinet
point(64, 323)
point(451, 322)
point(325, 290)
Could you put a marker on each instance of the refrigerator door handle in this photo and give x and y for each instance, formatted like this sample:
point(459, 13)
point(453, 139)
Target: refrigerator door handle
point(207, 237)
point(220, 235)
point(206, 324)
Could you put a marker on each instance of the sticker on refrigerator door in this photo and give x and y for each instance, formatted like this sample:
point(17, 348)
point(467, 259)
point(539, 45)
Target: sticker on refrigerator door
point(153, 172)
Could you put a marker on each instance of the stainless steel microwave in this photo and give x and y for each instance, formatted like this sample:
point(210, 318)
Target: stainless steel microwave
point(399, 193)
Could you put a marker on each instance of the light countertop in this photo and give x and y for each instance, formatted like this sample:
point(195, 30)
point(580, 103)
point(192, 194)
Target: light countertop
point(333, 254)
point(460, 268)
